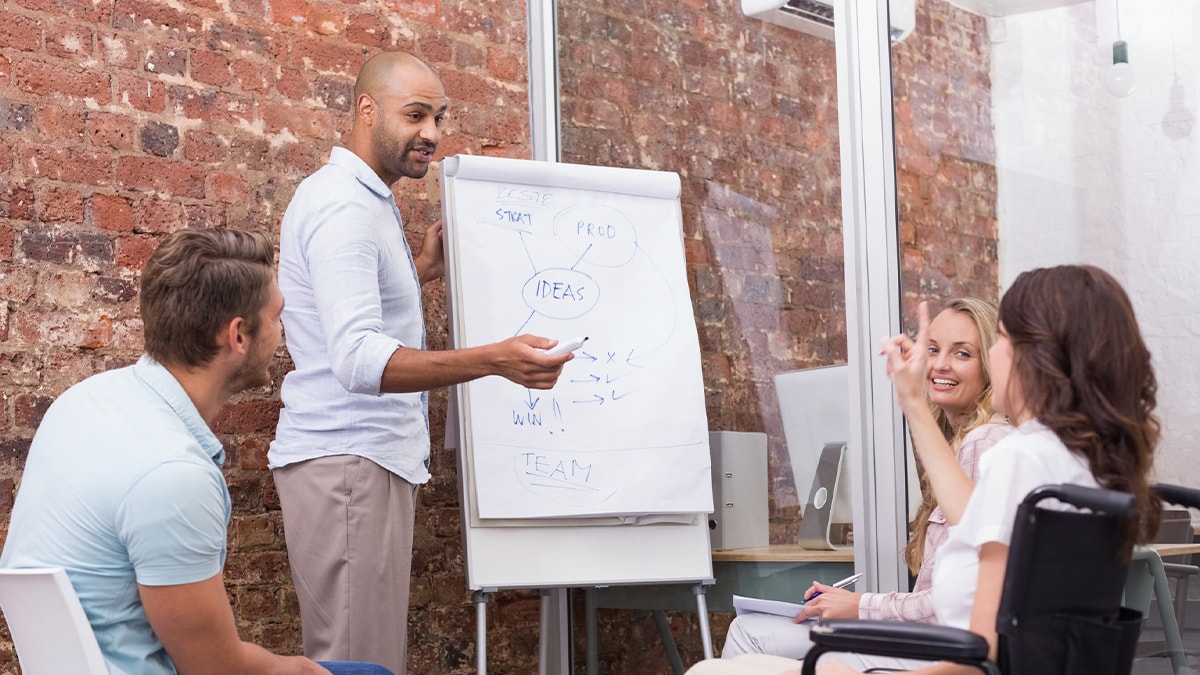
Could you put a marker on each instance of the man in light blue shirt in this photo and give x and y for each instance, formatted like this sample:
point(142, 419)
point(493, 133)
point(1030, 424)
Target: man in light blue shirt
point(123, 485)
point(353, 438)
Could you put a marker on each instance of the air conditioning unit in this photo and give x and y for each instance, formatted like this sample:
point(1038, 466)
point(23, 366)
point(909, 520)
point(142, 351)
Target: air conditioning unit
point(815, 17)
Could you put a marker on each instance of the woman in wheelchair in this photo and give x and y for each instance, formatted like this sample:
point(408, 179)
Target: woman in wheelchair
point(957, 390)
point(1071, 371)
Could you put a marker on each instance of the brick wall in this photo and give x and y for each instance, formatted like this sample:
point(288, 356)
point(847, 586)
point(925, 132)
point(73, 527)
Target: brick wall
point(123, 120)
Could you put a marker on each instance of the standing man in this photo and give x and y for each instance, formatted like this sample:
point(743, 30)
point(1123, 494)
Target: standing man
point(123, 484)
point(353, 438)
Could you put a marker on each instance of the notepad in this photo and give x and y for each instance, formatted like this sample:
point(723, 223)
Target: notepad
point(743, 605)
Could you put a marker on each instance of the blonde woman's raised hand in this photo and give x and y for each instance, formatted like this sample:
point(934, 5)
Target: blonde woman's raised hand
point(908, 361)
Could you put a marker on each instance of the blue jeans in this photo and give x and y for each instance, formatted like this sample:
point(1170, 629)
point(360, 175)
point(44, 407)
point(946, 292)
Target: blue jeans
point(354, 668)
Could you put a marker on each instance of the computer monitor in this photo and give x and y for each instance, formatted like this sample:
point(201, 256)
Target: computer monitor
point(814, 404)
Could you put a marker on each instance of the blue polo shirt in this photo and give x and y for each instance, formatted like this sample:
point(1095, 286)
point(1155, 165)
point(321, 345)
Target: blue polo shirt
point(122, 487)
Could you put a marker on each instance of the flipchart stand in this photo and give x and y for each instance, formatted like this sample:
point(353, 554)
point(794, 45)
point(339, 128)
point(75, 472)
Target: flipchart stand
point(480, 598)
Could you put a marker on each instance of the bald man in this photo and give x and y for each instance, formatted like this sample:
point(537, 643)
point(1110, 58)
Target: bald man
point(353, 438)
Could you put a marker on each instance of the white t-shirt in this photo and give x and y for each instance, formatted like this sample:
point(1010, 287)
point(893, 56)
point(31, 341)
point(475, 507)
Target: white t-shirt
point(1029, 457)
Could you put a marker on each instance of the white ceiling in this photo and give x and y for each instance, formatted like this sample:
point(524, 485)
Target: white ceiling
point(1006, 7)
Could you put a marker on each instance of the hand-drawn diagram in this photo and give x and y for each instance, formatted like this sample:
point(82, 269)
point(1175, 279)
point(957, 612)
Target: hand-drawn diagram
point(624, 430)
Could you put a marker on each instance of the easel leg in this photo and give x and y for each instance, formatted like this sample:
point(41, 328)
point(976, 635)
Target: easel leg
point(699, 591)
point(589, 608)
point(480, 599)
point(668, 640)
point(543, 631)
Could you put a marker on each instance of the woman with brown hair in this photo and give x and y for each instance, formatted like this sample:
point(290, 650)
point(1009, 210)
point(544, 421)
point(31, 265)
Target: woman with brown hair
point(1073, 375)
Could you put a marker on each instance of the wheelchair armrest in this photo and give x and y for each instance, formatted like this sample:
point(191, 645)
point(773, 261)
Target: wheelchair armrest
point(898, 639)
point(1178, 570)
point(1178, 495)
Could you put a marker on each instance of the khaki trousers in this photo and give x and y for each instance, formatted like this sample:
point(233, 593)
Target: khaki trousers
point(348, 524)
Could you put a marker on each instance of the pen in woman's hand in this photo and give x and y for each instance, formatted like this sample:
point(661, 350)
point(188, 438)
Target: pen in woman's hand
point(838, 584)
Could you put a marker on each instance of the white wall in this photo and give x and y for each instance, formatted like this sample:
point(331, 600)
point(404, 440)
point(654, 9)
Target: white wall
point(1087, 177)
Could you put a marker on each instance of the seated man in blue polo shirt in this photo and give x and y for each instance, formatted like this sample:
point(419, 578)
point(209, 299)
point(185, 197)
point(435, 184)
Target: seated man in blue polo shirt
point(123, 485)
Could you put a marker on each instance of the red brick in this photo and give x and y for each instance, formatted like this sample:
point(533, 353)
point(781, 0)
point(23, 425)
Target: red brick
point(5, 71)
point(66, 290)
point(213, 106)
point(146, 95)
point(228, 188)
point(16, 201)
point(69, 40)
point(59, 204)
point(247, 417)
point(288, 13)
point(368, 29)
point(252, 77)
point(18, 369)
point(50, 79)
point(468, 87)
point(210, 68)
point(17, 283)
point(301, 122)
point(110, 130)
point(82, 10)
point(506, 66)
point(63, 329)
point(251, 152)
point(238, 37)
point(204, 216)
point(416, 9)
point(329, 56)
point(161, 175)
point(204, 146)
point(119, 50)
point(111, 212)
point(324, 19)
point(169, 22)
point(21, 33)
point(134, 251)
point(164, 60)
point(160, 216)
point(435, 47)
point(57, 123)
point(252, 453)
point(6, 247)
point(53, 163)
point(293, 84)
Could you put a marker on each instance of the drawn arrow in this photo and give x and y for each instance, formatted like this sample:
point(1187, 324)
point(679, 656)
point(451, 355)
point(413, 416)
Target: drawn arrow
point(590, 378)
point(532, 401)
point(597, 398)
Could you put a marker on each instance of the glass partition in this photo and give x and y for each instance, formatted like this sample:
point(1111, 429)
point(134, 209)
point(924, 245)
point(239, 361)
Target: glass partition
point(745, 111)
point(1059, 131)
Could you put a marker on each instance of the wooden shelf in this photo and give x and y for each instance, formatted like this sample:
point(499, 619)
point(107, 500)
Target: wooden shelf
point(781, 553)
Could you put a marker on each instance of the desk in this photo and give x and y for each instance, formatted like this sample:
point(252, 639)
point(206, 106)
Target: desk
point(781, 572)
point(1164, 550)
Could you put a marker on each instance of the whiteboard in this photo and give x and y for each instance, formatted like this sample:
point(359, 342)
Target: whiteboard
point(585, 251)
point(600, 479)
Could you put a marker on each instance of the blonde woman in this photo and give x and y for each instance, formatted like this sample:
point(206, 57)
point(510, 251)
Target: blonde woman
point(958, 390)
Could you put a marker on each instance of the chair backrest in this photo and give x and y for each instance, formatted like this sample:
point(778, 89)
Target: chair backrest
point(1176, 528)
point(48, 626)
point(1060, 611)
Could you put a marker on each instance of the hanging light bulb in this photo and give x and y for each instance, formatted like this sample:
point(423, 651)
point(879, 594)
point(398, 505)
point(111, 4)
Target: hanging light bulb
point(1119, 78)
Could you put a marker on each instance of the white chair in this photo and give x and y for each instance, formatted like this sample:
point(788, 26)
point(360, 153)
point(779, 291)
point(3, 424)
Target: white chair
point(48, 626)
